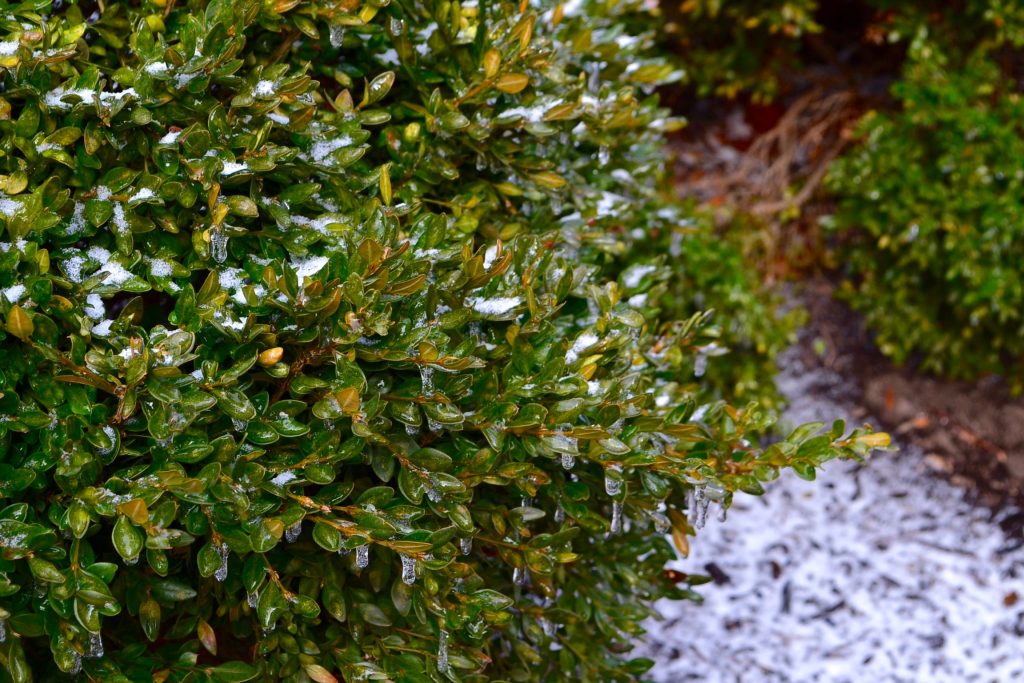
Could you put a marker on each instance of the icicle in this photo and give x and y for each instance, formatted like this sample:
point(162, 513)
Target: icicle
point(95, 650)
point(700, 365)
point(337, 35)
point(559, 514)
point(408, 570)
point(131, 561)
point(616, 525)
point(252, 599)
point(292, 533)
point(412, 430)
point(613, 485)
point(76, 668)
point(433, 494)
point(477, 629)
point(466, 545)
point(722, 512)
point(699, 513)
point(3, 630)
point(218, 245)
point(519, 576)
point(222, 571)
point(661, 523)
point(427, 380)
point(568, 460)
point(363, 557)
point(442, 652)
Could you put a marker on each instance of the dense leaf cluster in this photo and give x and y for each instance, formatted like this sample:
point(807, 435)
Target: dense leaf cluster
point(335, 347)
point(732, 47)
point(932, 198)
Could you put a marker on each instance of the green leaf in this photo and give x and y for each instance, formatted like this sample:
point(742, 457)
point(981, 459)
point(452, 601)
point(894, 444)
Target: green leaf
point(234, 672)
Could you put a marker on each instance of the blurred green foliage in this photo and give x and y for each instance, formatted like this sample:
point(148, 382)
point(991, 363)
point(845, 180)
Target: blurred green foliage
point(732, 47)
point(930, 200)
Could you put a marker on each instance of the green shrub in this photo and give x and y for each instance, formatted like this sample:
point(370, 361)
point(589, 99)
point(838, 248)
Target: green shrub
point(934, 194)
point(735, 354)
point(320, 357)
point(732, 47)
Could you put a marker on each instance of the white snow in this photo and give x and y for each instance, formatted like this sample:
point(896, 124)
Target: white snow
point(170, 138)
point(156, 68)
point(9, 47)
point(582, 343)
point(233, 280)
point(264, 88)
point(102, 329)
point(634, 275)
point(94, 307)
point(284, 478)
point(159, 267)
point(116, 274)
point(878, 573)
point(489, 255)
point(232, 167)
point(496, 306)
point(308, 266)
point(534, 114)
point(54, 98)
point(9, 207)
point(76, 224)
point(322, 148)
point(14, 293)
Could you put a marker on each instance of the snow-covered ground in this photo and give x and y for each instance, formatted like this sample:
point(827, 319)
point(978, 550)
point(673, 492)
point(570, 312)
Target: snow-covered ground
point(876, 573)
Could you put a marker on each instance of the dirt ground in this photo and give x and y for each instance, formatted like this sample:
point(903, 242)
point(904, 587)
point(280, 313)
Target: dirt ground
point(971, 433)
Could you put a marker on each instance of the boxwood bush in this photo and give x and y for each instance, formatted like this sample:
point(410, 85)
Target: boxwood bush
point(741, 46)
point(326, 353)
point(932, 201)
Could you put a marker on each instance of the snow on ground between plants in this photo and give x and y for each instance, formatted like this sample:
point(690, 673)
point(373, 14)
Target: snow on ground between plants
point(878, 572)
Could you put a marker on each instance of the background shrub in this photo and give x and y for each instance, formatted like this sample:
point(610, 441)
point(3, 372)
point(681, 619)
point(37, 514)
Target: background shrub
point(732, 47)
point(321, 356)
point(933, 196)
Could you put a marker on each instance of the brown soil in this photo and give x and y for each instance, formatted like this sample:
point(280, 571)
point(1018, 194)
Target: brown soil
point(971, 432)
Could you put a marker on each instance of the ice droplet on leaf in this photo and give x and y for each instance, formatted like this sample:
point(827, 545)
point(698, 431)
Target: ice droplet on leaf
point(466, 545)
point(218, 245)
point(222, 571)
point(616, 525)
point(519, 576)
point(337, 35)
point(363, 557)
point(408, 570)
point(612, 483)
point(95, 650)
point(442, 652)
point(292, 533)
